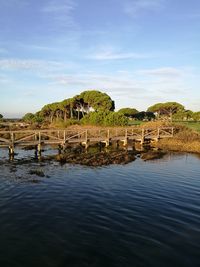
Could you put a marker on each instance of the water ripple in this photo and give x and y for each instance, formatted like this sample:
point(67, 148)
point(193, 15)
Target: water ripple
point(141, 214)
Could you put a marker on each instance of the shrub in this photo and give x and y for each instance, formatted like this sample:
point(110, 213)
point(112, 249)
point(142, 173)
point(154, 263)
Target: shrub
point(115, 119)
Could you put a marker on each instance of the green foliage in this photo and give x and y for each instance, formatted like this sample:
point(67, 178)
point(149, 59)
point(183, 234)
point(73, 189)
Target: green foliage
point(96, 100)
point(168, 108)
point(183, 115)
point(38, 118)
point(115, 119)
point(144, 116)
point(28, 117)
point(109, 118)
point(190, 124)
point(128, 112)
point(33, 118)
point(94, 118)
point(1, 116)
point(78, 106)
point(196, 116)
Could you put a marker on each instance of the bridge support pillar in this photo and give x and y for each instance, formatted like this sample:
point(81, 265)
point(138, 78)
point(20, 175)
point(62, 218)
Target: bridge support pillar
point(38, 151)
point(107, 142)
point(125, 142)
point(85, 144)
point(11, 151)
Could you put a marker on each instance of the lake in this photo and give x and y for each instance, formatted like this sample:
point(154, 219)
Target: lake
point(139, 214)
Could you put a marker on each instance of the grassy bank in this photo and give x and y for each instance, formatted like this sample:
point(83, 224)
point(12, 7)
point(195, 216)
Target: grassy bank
point(184, 140)
point(192, 125)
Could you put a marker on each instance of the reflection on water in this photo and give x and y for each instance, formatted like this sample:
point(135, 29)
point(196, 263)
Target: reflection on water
point(140, 214)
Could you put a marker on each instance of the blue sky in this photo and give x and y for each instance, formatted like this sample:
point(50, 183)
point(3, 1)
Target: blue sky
point(140, 52)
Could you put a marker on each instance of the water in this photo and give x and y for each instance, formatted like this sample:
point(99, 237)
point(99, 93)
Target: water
point(140, 214)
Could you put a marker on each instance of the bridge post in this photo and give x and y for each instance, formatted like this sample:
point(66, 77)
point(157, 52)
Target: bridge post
point(108, 139)
point(158, 134)
point(86, 139)
point(11, 150)
point(39, 147)
point(11, 147)
point(142, 136)
point(64, 140)
point(126, 138)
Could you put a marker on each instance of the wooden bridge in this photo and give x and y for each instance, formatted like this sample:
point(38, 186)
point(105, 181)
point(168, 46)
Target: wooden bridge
point(39, 138)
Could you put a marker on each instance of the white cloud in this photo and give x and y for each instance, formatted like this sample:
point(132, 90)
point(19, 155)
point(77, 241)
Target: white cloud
point(118, 56)
point(136, 7)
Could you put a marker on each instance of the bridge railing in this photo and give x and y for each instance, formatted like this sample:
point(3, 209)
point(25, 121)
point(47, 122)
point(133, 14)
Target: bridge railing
point(63, 135)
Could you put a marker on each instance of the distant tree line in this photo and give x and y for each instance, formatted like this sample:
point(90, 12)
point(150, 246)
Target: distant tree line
point(173, 111)
point(96, 108)
point(90, 107)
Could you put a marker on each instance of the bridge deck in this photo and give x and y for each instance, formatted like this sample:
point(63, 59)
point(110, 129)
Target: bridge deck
point(84, 136)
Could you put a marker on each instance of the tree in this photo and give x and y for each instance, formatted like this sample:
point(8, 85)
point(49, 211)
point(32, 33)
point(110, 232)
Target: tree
point(166, 109)
point(1, 116)
point(94, 118)
point(96, 101)
point(33, 118)
point(144, 116)
point(196, 116)
point(128, 112)
point(28, 117)
point(183, 115)
point(108, 118)
point(115, 119)
point(50, 110)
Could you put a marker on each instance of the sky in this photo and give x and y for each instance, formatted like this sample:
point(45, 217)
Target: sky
point(140, 52)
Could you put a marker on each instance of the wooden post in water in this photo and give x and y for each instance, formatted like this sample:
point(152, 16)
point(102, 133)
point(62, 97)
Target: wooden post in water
point(86, 139)
point(11, 146)
point(39, 147)
point(64, 141)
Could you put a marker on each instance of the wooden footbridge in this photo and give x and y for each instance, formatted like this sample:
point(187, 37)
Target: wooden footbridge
point(39, 138)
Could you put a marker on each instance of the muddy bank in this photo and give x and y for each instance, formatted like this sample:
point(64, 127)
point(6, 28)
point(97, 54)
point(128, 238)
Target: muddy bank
point(151, 155)
point(107, 158)
point(97, 159)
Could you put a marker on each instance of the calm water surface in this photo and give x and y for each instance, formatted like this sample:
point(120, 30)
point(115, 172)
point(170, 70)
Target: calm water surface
point(140, 214)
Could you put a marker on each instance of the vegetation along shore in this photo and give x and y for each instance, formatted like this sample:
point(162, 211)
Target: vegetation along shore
point(96, 109)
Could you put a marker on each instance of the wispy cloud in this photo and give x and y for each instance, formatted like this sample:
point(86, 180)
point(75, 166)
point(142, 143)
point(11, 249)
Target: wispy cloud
point(136, 7)
point(119, 56)
point(54, 6)
point(110, 53)
point(30, 64)
point(145, 86)
point(60, 12)
point(162, 72)
point(4, 80)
